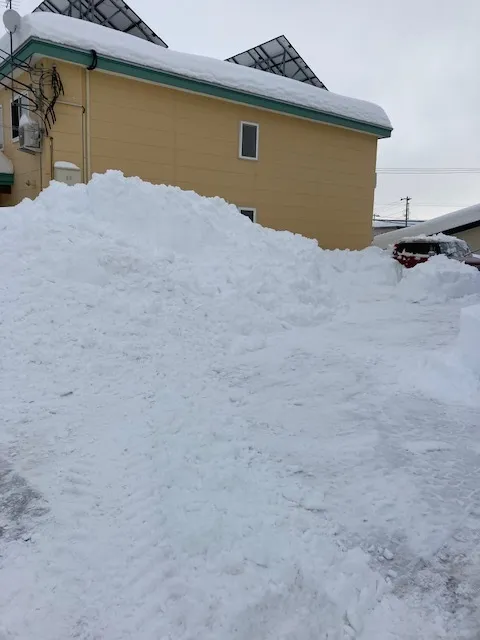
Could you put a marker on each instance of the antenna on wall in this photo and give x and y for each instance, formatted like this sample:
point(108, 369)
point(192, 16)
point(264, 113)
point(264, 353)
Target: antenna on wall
point(11, 20)
point(40, 90)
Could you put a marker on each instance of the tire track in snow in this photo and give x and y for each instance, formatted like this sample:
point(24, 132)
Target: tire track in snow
point(118, 532)
point(140, 538)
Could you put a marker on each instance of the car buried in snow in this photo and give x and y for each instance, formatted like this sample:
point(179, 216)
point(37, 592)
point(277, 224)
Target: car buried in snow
point(412, 251)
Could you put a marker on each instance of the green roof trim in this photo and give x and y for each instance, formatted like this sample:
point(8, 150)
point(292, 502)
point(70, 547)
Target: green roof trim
point(6, 179)
point(35, 46)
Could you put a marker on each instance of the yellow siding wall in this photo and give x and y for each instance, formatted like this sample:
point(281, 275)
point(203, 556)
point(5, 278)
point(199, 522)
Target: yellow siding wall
point(65, 138)
point(472, 236)
point(310, 178)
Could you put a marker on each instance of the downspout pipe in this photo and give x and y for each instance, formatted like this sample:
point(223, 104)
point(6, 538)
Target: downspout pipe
point(91, 67)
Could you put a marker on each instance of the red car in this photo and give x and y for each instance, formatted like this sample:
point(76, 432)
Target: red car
point(413, 251)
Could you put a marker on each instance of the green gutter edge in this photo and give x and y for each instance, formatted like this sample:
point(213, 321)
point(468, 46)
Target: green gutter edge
point(35, 46)
point(6, 179)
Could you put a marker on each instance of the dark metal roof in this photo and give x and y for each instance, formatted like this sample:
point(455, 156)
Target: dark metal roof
point(114, 14)
point(280, 57)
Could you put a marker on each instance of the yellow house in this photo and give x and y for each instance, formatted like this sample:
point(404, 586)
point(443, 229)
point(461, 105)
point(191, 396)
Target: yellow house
point(290, 156)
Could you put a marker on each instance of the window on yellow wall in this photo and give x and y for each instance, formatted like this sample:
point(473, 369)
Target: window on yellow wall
point(17, 109)
point(2, 138)
point(248, 212)
point(248, 141)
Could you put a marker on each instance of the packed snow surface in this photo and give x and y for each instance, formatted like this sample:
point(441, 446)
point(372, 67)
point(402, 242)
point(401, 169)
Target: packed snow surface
point(86, 36)
point(214, 430)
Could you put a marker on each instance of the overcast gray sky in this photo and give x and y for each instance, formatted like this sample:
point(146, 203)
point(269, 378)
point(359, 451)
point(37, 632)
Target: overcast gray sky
point(418, 59)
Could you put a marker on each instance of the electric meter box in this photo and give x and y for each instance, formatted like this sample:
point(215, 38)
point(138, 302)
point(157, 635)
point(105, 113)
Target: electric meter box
point(67, 172)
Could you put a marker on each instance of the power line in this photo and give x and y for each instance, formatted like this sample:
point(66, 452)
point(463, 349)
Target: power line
point(387, 204)
point(428, 170)
point(459, 206)
point(394, 215)
point(387, 212)
point(426, 204)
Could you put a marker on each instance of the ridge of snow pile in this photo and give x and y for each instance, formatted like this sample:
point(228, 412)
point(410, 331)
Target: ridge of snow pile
point(439, 279)
point(85, 35)
point(202, 253)
point(190, 248)
point(199, 249)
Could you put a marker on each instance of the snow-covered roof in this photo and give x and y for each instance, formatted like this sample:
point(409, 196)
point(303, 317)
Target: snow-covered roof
point(5, 164)
point(86, 36)
point(62, 164)
point(438, 237)
point(447, 222)
point(395, 224)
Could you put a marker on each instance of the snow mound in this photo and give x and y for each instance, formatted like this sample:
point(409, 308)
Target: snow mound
point(452, 374)
point(439, 279)
point(198, 249)
point(197, 401)
point(186, 248)
point(468, 338)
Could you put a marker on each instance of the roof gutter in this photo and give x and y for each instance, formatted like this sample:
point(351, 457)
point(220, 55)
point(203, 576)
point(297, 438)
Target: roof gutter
point(6, 179)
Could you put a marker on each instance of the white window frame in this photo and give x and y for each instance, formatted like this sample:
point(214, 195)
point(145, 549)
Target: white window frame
point(252, 209)
point(240, 139)
point(14, 98)
point(2, 129)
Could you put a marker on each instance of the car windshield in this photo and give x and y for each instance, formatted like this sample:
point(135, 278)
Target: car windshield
point(418, 248)
point(458, 250)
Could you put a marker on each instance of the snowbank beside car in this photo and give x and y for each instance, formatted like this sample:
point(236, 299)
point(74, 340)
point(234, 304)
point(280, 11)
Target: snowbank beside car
point(440, 279)
point(469, 338)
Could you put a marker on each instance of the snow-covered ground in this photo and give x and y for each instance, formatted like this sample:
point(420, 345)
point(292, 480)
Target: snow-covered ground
point(212, 430)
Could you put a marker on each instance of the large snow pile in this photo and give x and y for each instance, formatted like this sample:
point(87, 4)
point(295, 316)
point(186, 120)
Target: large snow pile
point(209, 430)
point(182, 250)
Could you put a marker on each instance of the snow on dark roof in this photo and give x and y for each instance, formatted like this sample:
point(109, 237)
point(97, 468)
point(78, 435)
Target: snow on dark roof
point(394, 224)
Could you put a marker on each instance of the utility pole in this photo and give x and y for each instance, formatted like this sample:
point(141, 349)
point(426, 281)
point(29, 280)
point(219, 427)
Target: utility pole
point(407, 209)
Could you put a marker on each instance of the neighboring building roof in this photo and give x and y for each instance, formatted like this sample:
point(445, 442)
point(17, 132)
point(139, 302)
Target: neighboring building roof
point(450, 223)
point(114, 14)
point(394, 224)
point(278, 56)
point(230, 81)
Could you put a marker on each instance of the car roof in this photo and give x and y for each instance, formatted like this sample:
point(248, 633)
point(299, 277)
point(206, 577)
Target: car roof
point(429, 239)
point(417, 241)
